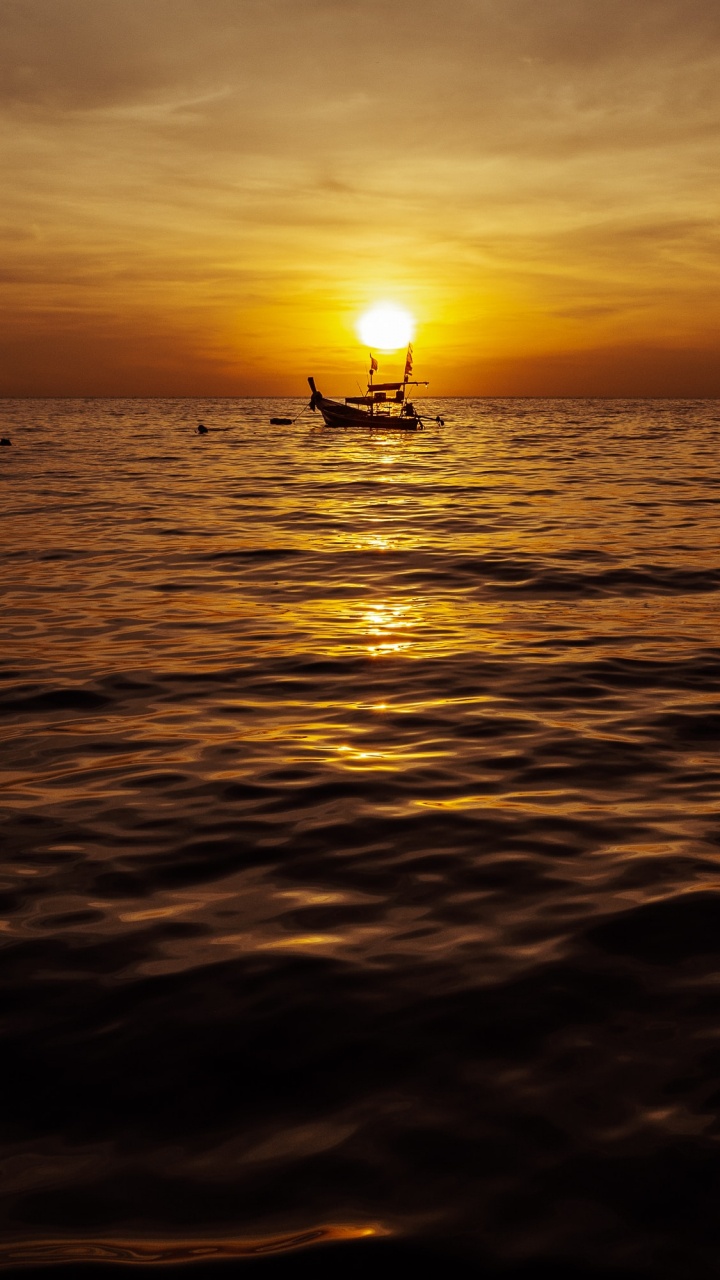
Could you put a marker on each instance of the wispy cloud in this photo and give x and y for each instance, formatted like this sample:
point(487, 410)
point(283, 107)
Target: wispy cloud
point(543, 176)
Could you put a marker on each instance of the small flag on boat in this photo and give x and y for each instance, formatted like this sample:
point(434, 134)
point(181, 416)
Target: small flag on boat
point(408, 361)
point(373, 364)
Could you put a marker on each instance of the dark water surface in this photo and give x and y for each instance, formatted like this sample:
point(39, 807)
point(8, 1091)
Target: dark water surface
point(361, 875)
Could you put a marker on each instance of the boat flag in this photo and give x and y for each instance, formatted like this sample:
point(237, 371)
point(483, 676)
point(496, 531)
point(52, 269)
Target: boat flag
point(373, 364)
point(408, 361)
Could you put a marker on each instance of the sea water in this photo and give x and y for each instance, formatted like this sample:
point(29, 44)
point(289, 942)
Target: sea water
point(361, 859)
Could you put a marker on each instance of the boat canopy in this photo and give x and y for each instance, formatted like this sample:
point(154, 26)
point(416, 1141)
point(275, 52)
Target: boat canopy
point(386, 386)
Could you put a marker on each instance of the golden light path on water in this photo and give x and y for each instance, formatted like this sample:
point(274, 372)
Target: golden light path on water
point(46, 1252)
point(358, 788)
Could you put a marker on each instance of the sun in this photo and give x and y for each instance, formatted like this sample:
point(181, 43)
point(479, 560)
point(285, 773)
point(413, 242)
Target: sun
point(386, 327)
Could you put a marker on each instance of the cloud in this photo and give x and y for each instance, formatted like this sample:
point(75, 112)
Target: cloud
point(254, 164)
point(78, 53)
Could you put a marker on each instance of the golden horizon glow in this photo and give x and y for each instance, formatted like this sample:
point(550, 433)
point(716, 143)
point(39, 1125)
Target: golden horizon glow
point(386, 327)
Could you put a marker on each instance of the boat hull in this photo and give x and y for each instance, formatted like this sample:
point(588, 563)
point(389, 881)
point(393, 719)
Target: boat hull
point(345, 415)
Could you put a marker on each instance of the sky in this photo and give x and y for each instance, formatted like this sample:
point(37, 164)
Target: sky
point(201, 197)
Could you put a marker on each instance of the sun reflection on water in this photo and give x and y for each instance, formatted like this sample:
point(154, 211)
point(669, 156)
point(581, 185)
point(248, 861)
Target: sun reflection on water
point(406, 716)
point(41, 1252)
point(384, 621)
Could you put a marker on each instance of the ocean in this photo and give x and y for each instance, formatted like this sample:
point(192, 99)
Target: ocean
point(361, 839)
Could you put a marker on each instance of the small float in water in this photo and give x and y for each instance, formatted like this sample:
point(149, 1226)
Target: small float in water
point(384, 407)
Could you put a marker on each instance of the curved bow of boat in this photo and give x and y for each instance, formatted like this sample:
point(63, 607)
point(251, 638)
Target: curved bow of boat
point(316, 396)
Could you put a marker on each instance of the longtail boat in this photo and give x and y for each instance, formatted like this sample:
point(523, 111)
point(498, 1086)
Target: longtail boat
point(384, 407)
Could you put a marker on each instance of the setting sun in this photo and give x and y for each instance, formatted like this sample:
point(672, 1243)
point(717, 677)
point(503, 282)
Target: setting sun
point(386, 327)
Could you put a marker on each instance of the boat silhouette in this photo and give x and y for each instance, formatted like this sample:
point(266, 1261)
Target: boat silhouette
point(384, 406)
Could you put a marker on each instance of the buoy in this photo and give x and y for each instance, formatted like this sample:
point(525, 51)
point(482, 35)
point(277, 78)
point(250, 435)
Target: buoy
point(202, 429)
point(5, 440)
point(281, 422)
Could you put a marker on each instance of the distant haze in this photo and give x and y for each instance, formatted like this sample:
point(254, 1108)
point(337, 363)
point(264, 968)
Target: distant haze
point(202, 196)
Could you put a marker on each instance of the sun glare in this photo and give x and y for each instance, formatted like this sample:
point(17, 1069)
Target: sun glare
point(386, 327)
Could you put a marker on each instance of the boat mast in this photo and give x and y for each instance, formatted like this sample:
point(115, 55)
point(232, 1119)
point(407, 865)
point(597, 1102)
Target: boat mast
point(408, 371)
point(373, 367)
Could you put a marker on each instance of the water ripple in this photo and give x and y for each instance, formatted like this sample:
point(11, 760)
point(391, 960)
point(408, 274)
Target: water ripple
point(361, 823)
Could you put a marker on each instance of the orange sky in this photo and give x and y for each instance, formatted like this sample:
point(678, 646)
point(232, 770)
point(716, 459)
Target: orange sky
point(201, 196)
